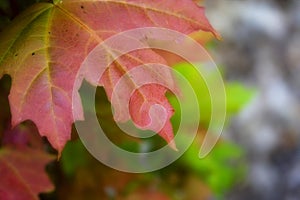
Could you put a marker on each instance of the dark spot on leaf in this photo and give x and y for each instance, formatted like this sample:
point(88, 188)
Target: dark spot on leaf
point(33, 54)
point(49, 32)
point(16, 54)
point(82, 7)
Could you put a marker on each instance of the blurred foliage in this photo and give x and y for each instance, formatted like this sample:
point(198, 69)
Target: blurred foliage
point(213, 175)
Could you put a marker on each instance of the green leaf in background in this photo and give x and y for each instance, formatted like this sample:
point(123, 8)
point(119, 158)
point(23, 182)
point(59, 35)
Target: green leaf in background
point(237, 95)
point(73, 156)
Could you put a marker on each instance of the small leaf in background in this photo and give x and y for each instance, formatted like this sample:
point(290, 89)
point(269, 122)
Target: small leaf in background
point(23, 174)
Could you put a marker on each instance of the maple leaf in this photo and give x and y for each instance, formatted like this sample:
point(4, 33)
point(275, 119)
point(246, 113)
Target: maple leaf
point(23, 173)
point(43, 49)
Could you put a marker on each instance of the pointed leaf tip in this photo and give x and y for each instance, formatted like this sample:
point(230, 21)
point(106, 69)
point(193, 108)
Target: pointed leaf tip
point(172, 145)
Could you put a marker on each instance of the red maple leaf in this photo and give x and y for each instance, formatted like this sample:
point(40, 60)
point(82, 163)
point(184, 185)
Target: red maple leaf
point(43, 49)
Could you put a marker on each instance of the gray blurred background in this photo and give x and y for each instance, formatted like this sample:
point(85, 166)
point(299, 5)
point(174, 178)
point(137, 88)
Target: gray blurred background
point(261, 48)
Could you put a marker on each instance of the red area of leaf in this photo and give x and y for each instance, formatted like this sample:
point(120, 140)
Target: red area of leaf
point(157, 119)
point(23, 174)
